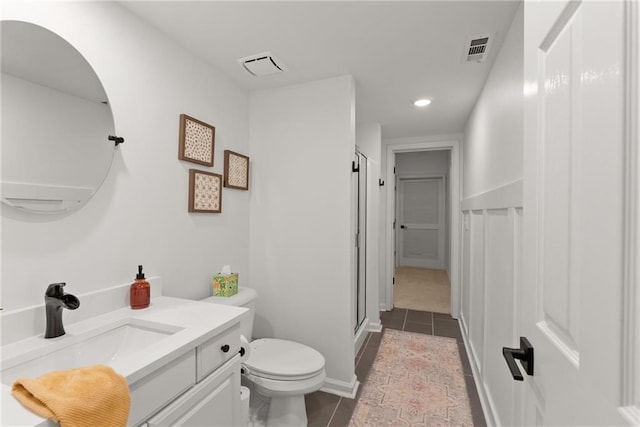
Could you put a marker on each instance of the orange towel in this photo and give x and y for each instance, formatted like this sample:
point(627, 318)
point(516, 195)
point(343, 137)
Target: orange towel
point(91, 396)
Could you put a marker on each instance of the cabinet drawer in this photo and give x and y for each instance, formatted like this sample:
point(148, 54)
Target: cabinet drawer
point(212, 353)
point(213, 402)
point(161, 386)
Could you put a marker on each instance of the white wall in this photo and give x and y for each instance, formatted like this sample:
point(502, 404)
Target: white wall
point(423, 163)
point(139, 216)
point(302, 144)
point(493, 134)
point(369, 141)
point(492, 226)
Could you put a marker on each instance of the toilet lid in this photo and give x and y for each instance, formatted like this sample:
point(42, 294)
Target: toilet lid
point(282, 359)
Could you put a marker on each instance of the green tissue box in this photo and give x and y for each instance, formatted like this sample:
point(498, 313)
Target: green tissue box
point(225, 285)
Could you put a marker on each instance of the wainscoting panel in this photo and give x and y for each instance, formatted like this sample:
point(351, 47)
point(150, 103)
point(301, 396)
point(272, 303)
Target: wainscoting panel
point(465, 298)
point(499, 322)
point(476, 288)
point(491, 289)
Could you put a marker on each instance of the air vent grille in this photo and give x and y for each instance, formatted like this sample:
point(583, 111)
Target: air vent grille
point(262, 64)
point(477, 49)
point(478, 42)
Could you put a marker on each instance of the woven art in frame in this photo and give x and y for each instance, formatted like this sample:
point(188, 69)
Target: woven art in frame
point(196, 141)
point(205, 191)
point(236, 170)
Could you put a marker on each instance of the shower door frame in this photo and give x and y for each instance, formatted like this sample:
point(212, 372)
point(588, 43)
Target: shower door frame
point(360, 283)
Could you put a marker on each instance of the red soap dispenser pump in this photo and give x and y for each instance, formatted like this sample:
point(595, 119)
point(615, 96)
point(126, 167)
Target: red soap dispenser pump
point(140, 292)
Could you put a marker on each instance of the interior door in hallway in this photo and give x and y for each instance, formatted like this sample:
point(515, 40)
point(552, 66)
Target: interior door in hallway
point(573, 229)
point(421, 206)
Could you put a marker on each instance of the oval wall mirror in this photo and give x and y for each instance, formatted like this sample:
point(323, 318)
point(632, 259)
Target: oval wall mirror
point(56, 122)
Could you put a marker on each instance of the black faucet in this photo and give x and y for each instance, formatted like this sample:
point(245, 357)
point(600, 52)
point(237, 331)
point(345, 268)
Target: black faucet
point(54, 300)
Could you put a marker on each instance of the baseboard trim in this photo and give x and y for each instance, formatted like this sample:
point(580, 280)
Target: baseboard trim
point(360, 336)
point(341, 388)
point(487, 406)
point(463, 325)
point(375, 327)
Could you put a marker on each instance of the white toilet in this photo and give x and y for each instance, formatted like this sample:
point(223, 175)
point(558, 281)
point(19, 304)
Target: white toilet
point(281, 370)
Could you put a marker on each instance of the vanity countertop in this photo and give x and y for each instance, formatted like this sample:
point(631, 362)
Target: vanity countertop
point(194, 321)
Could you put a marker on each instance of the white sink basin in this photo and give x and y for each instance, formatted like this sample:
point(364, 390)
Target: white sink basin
point(102, 345)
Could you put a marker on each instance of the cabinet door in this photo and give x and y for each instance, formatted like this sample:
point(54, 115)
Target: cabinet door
point(213, 402)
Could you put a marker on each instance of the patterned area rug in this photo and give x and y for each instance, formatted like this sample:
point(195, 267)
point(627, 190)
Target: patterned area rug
point(415, 380)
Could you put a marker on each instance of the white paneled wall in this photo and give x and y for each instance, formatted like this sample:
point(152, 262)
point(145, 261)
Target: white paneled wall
point(500, 232)
point(491, 247)
point(492, 228)
point(476, 288)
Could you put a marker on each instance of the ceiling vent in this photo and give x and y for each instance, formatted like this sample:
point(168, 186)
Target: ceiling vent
point(262, 64)
point(477, 49)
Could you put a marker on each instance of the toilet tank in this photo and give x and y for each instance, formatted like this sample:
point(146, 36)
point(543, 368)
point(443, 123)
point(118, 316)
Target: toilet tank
point(246, 297)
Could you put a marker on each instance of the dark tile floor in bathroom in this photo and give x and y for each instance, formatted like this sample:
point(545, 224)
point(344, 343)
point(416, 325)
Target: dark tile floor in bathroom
point(328, 410)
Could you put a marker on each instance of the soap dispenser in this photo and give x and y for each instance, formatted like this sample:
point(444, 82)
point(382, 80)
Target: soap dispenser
point(140, 292)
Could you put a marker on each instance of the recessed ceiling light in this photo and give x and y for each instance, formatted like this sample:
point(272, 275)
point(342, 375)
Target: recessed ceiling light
point(422, 102)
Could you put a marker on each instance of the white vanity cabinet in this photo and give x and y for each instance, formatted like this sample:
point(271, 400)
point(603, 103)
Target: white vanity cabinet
point(160, 387)
point(213, 402)
point(186, 374)
point(199, 388)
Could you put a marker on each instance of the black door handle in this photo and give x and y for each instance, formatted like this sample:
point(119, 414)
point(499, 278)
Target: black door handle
point(524, 353)
point(402, 226)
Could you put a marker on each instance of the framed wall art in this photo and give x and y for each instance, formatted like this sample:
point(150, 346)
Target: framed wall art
point(205, 191)
point(196, 141)
point(236, 170)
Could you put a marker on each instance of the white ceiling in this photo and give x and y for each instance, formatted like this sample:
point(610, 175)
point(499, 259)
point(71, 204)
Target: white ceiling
point(397, 51)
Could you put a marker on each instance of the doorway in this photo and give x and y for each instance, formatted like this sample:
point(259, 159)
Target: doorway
point(421, 236)
point(451, 181)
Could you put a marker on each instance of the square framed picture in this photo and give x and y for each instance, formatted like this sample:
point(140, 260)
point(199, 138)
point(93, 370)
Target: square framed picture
point(236, 170)
point(196, 141)
point(205, 191)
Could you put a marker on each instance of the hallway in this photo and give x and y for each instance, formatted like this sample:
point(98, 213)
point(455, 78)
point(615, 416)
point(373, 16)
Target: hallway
point(328, 410)
point(422, 289)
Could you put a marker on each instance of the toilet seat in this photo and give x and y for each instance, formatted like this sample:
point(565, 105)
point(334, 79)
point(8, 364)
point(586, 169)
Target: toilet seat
point(283, 360)
point(280, 388)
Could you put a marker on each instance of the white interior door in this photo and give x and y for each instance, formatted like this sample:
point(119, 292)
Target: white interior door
point(422, 222)
point(573, 236)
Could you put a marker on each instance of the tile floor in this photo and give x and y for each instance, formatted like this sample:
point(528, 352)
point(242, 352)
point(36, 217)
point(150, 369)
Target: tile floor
point(328, 410)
